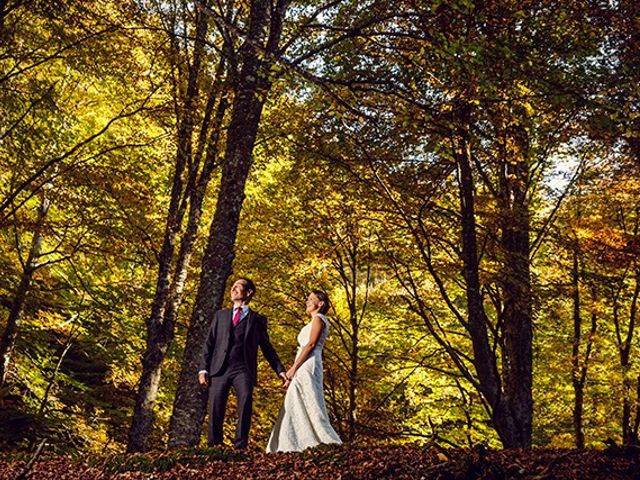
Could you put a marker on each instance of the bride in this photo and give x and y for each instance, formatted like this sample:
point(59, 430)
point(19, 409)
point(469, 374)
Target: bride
point(303, 421)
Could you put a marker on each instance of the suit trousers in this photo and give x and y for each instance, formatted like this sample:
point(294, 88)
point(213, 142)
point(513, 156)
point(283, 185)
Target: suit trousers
point(219, 387)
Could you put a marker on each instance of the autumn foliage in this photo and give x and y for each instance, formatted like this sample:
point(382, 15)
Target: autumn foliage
point(461, 177)
point(372, 462)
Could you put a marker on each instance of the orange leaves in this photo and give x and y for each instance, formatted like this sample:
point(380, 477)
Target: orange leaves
point(334, 463)
point(612, 246)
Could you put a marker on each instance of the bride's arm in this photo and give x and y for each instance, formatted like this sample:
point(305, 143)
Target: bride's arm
point(316, 329)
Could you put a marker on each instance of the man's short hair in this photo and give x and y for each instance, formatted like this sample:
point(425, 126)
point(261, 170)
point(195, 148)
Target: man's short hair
point(248, 284)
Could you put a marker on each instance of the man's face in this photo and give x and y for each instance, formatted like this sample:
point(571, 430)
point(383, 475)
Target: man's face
point(239, 291)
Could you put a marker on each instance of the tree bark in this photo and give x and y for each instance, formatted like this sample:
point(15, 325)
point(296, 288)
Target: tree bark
point(629, 436)
point(250, 88)
point(489, 381)
point(347, 258)
point(8, 340)
point(172, 273)
point(517, 364)
point(579, 367)
point(578, 389)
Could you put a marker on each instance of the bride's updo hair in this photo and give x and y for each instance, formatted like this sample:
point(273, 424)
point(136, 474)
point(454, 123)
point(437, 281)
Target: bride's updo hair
point(326, 304)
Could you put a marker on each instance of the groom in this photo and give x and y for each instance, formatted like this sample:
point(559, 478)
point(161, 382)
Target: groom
point(229, 359)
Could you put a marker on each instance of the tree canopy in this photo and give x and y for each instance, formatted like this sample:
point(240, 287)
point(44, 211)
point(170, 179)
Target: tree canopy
point(461, 177)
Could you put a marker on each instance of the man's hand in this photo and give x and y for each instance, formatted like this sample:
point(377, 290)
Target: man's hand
point(202, 378)
point(285, 380)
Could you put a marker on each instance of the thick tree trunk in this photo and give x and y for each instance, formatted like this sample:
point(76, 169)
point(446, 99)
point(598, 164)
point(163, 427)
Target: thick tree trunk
point(517, 364)
point(169, 285)
point(188, 409)
point(159, 339)
point(143, 416)
point(250, 89)
point(485, 364)
point(8, 340)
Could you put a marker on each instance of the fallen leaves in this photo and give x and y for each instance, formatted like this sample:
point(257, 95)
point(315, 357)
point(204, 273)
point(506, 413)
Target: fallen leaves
point(342, 462)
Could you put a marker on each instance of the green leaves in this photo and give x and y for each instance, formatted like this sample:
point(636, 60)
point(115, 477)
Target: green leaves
point(356, 153)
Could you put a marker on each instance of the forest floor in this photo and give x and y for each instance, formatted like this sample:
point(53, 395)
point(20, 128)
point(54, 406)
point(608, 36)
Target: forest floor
point(340, 463)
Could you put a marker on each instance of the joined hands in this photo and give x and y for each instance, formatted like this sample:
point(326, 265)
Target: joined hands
point(287, 377)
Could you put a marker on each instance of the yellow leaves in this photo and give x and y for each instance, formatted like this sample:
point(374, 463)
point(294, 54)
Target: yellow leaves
point(528, 108)
point(95, 436)
point(446, 107)
point(522, 94)
point(562, 440)
point(122, 376)
point(442, 457)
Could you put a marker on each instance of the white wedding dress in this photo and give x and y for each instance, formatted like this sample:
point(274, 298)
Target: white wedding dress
point(303, 421)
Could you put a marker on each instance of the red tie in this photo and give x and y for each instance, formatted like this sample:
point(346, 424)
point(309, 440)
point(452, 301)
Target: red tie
point(236, 317)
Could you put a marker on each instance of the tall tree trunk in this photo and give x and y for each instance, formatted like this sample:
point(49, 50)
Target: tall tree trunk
point(517, 367)
point(346, 263)
point(636, 421)
point(188, 408)
point(628, 430)
point(624, 343)
point(250, 88)
point(170, 282)
point(8, 340)
point(578, 391)
point(175, 295)
point(489, 382)
point(353, 378)
point(579, 366)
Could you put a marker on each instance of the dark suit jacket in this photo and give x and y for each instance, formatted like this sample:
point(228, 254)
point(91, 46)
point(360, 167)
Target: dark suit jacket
point(217, 345)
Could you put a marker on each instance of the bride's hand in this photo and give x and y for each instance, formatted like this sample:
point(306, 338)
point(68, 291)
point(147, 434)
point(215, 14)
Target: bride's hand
point(290, 373)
